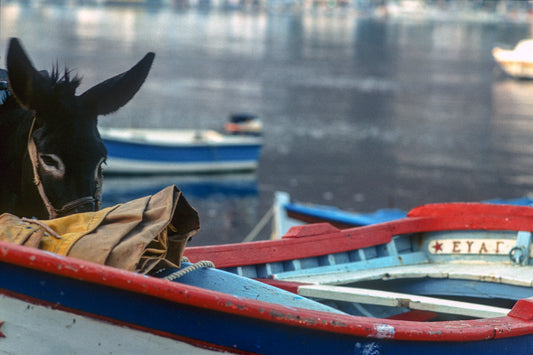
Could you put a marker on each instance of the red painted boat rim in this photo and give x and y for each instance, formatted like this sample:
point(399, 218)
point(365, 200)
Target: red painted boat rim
point(517, 324)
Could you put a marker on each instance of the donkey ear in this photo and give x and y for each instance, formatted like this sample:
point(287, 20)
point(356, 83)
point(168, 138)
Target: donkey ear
point(27, 84)
point(112, 94)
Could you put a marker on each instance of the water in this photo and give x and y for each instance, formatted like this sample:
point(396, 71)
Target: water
point(359, 113)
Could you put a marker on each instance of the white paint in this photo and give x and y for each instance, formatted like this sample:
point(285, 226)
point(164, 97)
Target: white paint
point(118, 165)
point(396, 299)
point(33, 329)
point(384, 331)
point(175, 137)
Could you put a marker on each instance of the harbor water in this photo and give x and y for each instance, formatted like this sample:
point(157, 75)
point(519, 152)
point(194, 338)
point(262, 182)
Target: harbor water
point(359, 112)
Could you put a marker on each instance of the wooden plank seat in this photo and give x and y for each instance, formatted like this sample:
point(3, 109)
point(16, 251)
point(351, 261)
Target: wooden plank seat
point(395, 299)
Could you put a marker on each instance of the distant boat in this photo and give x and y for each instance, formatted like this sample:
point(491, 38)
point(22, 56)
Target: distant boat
point(156, 151)
point(244, 124)
point(517, 62)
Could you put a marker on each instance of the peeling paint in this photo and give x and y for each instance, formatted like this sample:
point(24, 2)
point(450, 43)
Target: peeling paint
point(384, 331)
point(338, 324)
point(435, 332)
point(277, 314)
point(236, 306)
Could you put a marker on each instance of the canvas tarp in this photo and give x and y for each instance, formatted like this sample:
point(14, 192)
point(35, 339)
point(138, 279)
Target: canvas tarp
point(143, 235)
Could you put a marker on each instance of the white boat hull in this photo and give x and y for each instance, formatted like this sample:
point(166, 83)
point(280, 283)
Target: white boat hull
point(35, 329)
point(518, 62)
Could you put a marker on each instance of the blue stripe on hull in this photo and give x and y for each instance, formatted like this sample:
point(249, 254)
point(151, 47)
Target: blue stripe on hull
point(229, 330)
point(185, 154)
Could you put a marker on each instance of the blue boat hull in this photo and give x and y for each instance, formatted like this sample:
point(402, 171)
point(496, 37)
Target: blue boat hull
point(220, 330)
point(124, 157)
point(216, 309)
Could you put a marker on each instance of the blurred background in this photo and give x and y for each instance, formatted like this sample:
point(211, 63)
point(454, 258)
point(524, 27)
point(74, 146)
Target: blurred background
point(365, 104)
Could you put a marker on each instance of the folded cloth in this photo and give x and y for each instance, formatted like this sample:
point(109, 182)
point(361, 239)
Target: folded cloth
point(143, 235)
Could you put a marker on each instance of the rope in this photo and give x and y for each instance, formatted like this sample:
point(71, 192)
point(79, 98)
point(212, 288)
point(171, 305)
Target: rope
point(47, 228)
point(180, 273)
point(52, 211)
point(32, 151)
point(259, 227)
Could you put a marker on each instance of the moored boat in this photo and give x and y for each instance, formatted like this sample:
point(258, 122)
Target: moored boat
point(244, 124)
point(433, 282)
point(288, 213)
point(156, 151)
point(449, 278)
point(517, 62)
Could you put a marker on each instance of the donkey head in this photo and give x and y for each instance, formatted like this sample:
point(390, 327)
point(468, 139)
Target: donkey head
point(64, 147)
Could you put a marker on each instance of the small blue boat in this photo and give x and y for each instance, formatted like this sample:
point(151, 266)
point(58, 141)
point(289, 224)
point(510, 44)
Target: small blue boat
point(156, 151)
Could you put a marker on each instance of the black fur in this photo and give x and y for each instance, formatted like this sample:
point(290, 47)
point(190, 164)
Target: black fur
point(65, 127)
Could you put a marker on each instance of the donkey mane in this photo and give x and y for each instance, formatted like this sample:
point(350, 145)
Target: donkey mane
point(64, 83)
point(60, 89)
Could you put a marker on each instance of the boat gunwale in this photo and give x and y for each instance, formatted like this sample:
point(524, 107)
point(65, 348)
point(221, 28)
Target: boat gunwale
point(451, 331)
point(308, 240)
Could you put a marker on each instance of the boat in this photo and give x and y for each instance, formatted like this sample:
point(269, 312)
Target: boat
point(288, 213)
point(447, 279)
point(244, 124)
point(160, 151)
point(517, 62)
point(452, 278)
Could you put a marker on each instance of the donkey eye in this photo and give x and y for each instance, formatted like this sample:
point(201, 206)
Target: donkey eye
point(52, 163)
point(49, 160)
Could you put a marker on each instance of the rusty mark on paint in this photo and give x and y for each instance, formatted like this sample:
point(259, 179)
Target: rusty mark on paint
point(293, 317)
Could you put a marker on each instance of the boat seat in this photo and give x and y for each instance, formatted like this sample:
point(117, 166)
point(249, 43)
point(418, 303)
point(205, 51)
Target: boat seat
point(395, 299)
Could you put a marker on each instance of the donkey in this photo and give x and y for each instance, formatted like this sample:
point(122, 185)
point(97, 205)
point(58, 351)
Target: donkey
point(51, 153)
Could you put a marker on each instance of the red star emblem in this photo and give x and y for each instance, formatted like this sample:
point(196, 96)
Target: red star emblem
point(2, 334)
point(437, 246)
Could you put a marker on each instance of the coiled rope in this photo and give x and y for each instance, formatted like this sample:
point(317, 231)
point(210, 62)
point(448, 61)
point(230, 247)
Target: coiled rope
point(180, 273)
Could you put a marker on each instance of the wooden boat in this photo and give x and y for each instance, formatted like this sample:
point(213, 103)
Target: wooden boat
point(518, 62)
point(156, 151)
point(448, 279)
point(51, 303)
point(288, 213)
point(464, 266)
